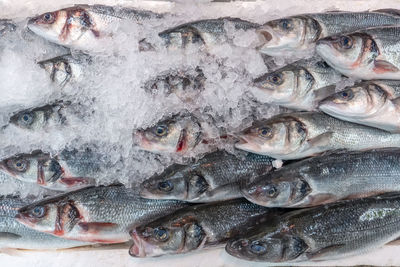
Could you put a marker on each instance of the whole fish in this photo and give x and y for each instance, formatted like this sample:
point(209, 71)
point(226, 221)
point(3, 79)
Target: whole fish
point(39, 117)
point(215, 177)
point(303, 134)
point(184, 84)
point(288, 35)
point(16, 235)
point(177, 134)
point(327, 232)
point(82, 26)
point(365, 54)
point(66, 68)
point(203, 32)
point(327, 178)
point(196, 227)
point(68, 170)
point(299, 85)
point(373, 103)
point(97, 214)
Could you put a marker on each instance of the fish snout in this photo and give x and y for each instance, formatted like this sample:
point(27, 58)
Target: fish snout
point(327, 40)
point(233, 247)
point(140, 248)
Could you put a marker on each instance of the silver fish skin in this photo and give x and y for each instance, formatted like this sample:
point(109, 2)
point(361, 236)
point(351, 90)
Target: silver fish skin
point(82, 26)
point(66, 69)
point(196, 228)
point(17, 236)
point(304, 134)
point(298, 86)
point(98, 214)
point(372, 103)
point(203, 32)
point(327, 232)
point(367, 54)
point(286, 36)
point(215, 177)
point(327, 178)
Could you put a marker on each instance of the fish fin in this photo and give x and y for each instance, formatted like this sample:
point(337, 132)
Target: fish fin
point(396, 101)
point(320, 254)
point(96, 227)
point(324, 92)
point(321, 140)
point(74, 181)
point(382, 66)
point(390, 11)
point(9, 236)
point(395, 242)
point(336, 151)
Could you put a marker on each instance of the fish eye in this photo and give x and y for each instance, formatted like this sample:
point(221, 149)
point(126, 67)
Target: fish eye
point(272, 191)
point(285, 24)
point(38, 211)
point(161, 234)
point(275, 79)
point(26, 118)
point(161, 130)
point(48, 17)
point(19, 165)
point(258, 248)
point(346, 95)
point(265, 132)
point(346, 42)
point(165, 186)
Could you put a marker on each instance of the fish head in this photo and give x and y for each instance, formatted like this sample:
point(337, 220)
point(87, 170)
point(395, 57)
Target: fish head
point(348, 52)
point(59, 69)
point(356, 101)
point(180, 184)
point(267, 247)
point(37, 167)
point(33, 119)
point(64, 26)
point(287, 35)
point(275, 137)
point(176, 135)
point(276, 191)
point(54, 216)
point(167, 236)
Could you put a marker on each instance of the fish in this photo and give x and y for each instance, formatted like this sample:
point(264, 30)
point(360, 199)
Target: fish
point(38, 118)
point(177, 134)
point(368, 54)
point(327, 178)
point(372, 103)
point(298, 86)
point(14, 235)
point(303, 134)
point(103, 214)
point(207, 32)
point(326, 232)
point(6, 26)
point(290, 35)
point(186, 85)
point(66, 68)
point(215, 177)
point(82, 26)
point(196, 227)
point(65, 171)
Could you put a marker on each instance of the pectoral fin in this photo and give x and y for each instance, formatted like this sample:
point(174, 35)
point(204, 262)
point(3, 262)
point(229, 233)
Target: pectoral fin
point(9, 236)
point(320, 142)
point(324, 252)
point(382, 66)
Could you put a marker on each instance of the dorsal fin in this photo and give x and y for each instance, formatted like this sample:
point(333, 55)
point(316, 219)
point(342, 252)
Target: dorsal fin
point(390, 11)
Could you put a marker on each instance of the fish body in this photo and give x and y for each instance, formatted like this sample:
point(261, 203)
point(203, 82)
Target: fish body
point(97, 214)
point(326, 232)
point(304, 134)
point(372, 103)
point(203, 32)
point(214, 177)
point(294, 34)
point(196, 227)
point(66, 68)
point(298, 85)
point(18, 236)
point(82, 26)
point(177, 134)
point(366, 54)
point(327, 178)
point(69, 170)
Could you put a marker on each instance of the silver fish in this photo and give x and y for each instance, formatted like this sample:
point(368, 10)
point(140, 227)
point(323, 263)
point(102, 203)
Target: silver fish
point(299, 85)
point(327, 178)
point(285, 36)
point(98, 214)
point(16, 235)
point(197, 227)
point(214, 177)
point(373, 103)
point(303, 134)
point(365, 54)
point(326, 232)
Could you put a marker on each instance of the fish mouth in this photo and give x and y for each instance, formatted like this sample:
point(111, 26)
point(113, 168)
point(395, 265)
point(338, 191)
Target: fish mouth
point(234, 247)
point(137, 249)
